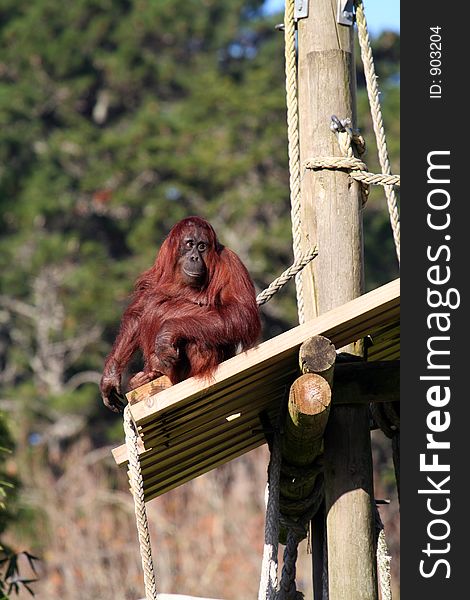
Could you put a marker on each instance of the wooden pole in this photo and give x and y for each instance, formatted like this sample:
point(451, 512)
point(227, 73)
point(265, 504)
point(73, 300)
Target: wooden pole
point(349, 497)
point(305, 422)
point(331, 219)
point(309, 403)
point(331, 201)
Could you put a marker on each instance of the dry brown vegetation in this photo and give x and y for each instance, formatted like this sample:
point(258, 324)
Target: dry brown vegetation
point(207, 535)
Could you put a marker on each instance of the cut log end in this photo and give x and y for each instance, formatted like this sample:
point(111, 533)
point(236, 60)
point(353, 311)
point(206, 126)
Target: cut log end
point(318, 355)
point(310, 394)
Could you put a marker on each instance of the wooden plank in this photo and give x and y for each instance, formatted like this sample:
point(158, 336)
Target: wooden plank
point(171, 419)
point(208, 438)
point(214, 461)
point(213, 420)
point(341, 325)
point(192, 459)
point(175, 458)
point(209, 423)
point(173, 440)
point(240, 392)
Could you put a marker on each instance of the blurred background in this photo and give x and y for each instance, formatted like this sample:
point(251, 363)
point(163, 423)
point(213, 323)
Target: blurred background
point(118, 118)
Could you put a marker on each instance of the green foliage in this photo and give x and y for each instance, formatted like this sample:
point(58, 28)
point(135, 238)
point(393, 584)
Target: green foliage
point(117, 118)
point(8, 491)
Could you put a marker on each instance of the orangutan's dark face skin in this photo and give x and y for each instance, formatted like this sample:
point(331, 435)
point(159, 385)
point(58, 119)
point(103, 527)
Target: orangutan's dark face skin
point(193, 249)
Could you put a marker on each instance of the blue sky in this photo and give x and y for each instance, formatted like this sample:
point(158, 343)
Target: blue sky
point(380, 14)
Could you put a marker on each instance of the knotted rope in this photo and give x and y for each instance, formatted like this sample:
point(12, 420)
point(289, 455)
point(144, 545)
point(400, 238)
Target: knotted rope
point(268, 580)
point(297, 530)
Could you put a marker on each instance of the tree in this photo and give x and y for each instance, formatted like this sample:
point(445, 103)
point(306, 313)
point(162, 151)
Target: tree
point(117, 118)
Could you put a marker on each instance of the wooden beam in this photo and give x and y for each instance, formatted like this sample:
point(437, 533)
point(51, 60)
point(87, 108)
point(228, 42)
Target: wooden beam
point(363, 383)
point(348, 497)
point(331, 201)
point(308, 407)
point(332, 219)
point(308, 410)
point(318, 355)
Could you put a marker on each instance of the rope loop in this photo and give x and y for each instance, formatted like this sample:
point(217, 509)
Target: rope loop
point(352, 146)
point(335, 162)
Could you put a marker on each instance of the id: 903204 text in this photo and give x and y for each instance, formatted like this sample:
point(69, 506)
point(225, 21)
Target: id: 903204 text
point(435, 62)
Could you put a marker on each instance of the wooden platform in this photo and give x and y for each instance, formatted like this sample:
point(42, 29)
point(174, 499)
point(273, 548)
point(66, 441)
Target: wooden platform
point(197, 425)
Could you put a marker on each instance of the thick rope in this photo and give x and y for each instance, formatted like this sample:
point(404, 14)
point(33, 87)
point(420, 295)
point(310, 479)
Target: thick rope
point(335, 162)
point(387, 418)
point(297, 530)
point(286, 276)
point(269, 580)
point(375, 178)
point(325, 583)
point(383, 559)
point(288, 589)
point(293, 144)
point(383, 564)
point(137, 487)
point(357, 168)
point(377, 120)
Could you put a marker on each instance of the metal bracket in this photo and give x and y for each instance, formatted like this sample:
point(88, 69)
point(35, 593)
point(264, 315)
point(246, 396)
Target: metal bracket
point(300, 9)
point(345, 13)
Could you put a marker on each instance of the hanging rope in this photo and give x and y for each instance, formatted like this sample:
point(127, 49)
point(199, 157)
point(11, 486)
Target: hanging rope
point(293, 145)
point(268, 580)
point(357, 168)
point(297, 529)
point(383, 559)
point(377, 120)
point(137, 487)
point(388, 419)
point(288, 589)
point(281, 281)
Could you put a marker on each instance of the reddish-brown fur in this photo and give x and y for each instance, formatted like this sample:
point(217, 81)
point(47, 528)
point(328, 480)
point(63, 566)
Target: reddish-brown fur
point(183, 330)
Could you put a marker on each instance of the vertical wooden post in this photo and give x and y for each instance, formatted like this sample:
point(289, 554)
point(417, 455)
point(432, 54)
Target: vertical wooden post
point(331, 219)
point(331, 201)
point(349, 496)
